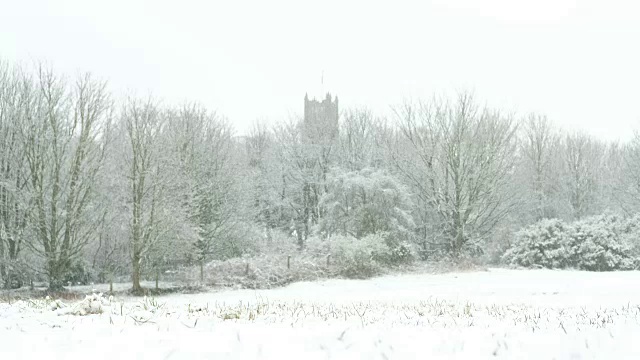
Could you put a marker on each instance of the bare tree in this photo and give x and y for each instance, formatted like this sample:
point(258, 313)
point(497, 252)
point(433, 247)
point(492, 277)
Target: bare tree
point(358, 146)
point(108, 254)
point(613, 177)
point(14, 98)
point(583, 157)
point(204, 148)
point(143, 123)
point(628, 190)
point(265, 177)
point(541, 166)
point(259, 141)
point(458, 158)
point(305, 161)
point(65, 147)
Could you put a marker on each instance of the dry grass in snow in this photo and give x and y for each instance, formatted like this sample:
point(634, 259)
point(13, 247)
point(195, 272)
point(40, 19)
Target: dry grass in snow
point(504, 314)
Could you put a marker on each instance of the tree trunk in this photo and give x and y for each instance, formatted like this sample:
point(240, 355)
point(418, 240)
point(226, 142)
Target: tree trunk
point(55, 285)
point(201, 270)
point(135, 275)
point(157, 277)
point(458, 243)
point(3, 274)
point(111, 284)
point(55, 275)
point(300, 240)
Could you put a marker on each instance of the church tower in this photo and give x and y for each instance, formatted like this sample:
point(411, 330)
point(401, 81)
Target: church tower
point(321, 119)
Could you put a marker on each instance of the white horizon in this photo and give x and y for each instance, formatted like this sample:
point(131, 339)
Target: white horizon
point(573, 61)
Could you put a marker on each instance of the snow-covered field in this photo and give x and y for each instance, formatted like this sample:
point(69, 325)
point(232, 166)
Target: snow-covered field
point(506, 314)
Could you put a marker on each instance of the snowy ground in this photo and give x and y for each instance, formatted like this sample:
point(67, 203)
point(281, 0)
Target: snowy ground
point(505, 314)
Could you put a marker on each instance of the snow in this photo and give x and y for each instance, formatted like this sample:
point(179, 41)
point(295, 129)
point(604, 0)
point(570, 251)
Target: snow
point(508, 314)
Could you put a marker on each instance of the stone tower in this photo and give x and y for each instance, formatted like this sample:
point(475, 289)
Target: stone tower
point(321, 119)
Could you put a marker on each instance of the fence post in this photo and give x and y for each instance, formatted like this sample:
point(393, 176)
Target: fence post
point(111, 283)
point(157, 276)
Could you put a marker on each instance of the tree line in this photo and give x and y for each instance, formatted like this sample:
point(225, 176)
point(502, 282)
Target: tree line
point(91, 182)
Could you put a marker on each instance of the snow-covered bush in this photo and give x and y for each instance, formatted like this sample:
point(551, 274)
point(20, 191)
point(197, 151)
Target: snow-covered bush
point(630, 234)
point(360, 258)
point(317, 246)
point(398, 251)
point(91, 304)
point(19, 272)
point(598, 243)
point(55, 304)
point(401, 253)
point(545, 244)
point(365, 202)
point(78, 274)
point(263, 271)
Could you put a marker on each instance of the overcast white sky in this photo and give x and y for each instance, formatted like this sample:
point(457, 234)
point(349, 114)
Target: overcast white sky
point(576, 61)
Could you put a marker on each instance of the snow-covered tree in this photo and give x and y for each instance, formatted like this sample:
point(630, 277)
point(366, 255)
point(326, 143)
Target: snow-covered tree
point(148, 179)
point(458, 158)
point(365, 202)
point(65, 146)
point(582, 177)
point(628, 191)
point(205, 150)
point(304, 166)
point(265, 172)
point(540, 168)
point(14, 101)
point(360, 140)
point(613, 177)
